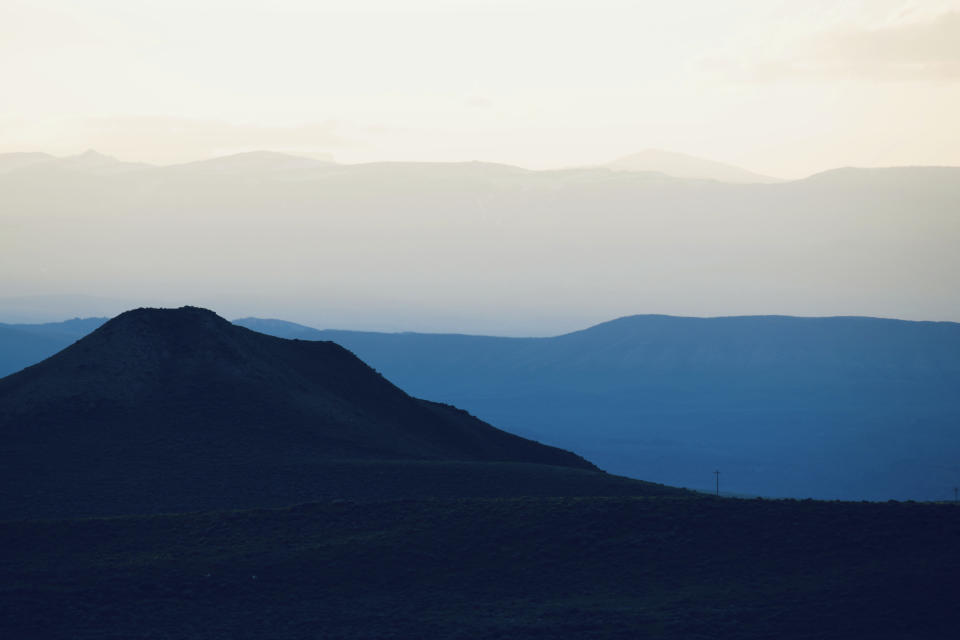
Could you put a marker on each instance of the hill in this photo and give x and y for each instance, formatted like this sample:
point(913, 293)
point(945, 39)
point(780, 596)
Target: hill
point(164, 410)
point(445, 542)
point(11, 161)
point(866, 404)
point(680, 165)
point(843, 407)
point(90, 162)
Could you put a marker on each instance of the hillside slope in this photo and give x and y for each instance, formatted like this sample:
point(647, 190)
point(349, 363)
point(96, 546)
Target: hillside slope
point(844, 407)
point(179, 409)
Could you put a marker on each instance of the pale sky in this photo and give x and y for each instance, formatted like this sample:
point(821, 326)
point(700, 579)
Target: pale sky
point(780, 87)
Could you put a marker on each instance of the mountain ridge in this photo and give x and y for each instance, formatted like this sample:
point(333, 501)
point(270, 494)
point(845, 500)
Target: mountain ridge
point(681, 165)
point(664, 397)
point(196, 412)
point(670, 397)
point(150, 348)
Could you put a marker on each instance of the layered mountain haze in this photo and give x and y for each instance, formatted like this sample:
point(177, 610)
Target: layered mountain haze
point(161, 410)
point(11, 161)
point(681, 165)
point(89, 162)
point(479, 247)
point(253, 162)
point(479, 320)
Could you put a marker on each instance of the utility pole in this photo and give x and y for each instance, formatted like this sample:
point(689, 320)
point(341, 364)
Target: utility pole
point(717, 473)
point(955, 494)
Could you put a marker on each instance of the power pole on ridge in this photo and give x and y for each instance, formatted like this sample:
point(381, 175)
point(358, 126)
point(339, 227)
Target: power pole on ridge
point(717, 473)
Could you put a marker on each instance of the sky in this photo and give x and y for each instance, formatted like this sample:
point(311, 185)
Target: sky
point(785, 88)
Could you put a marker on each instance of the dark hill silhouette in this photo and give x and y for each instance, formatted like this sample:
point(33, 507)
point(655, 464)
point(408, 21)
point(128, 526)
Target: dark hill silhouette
point(842, 407)
point(179, 409)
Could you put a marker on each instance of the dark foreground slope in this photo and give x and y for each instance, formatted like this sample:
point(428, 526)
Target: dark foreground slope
point(843, 407)
point(172, 410)
point(585, 568)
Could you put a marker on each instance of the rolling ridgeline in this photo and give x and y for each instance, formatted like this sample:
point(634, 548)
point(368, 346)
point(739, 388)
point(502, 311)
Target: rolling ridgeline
point(263, 487)
point(832, 408)
point(178, 410)
point(844, 408)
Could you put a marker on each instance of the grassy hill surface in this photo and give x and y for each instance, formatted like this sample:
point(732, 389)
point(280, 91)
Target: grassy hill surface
point(660, 567)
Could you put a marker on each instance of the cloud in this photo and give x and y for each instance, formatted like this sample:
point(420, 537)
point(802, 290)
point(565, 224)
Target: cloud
point(905, 52)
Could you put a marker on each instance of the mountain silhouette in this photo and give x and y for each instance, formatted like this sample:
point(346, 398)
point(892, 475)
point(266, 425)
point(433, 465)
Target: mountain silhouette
point(16, 160)
point(179, 410)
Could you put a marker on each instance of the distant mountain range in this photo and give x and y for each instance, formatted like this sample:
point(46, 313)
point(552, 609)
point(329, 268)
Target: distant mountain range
point(22, 345)
point(479, 240)
point(849, 408)
point(680, 165)
point(852, 408)
point(12, 161)
point(94, 163)
point(88, 162)
point(252, 162)
point(677, 165)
